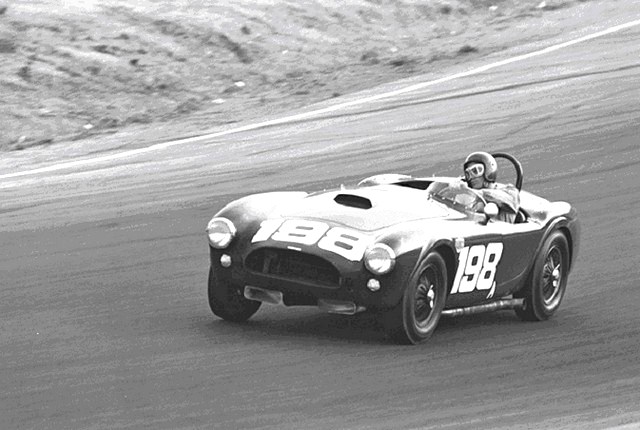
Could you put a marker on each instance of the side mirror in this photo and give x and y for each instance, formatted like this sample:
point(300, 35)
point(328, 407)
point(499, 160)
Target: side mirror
point(491, 210)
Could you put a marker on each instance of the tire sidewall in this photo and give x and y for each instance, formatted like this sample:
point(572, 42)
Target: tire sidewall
point(535, 297)
point(414, 333)
point(227, 302)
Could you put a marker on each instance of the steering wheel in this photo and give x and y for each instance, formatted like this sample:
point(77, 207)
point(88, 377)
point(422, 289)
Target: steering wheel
point(516, 165)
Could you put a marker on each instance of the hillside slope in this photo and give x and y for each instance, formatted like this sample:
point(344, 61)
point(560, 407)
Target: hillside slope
point(81, 69)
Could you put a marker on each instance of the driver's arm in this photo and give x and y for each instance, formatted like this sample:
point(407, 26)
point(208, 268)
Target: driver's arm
point(508, 200)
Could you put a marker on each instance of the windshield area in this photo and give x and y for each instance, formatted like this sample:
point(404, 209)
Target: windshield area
point(457, 195)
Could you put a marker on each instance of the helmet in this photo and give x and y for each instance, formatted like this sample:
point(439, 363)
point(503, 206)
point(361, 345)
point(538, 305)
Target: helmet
point(490, 165)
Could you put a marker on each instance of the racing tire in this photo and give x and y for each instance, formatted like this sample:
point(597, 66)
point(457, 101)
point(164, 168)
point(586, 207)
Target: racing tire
point(548, 280)
point(414, 319)
point(228, 302)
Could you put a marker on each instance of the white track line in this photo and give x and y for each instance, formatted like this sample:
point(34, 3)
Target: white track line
point(333, 108)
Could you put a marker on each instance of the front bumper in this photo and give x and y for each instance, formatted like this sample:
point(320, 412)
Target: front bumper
point(350, 287)
point(277, 298)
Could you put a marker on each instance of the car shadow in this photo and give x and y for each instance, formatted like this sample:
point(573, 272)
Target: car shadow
point(309, 324)
point(302, 325)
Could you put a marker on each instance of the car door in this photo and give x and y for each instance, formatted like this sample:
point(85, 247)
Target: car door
point(492, 261)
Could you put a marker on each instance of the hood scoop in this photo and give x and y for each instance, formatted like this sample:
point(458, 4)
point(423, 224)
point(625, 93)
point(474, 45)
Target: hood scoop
point(353, 201)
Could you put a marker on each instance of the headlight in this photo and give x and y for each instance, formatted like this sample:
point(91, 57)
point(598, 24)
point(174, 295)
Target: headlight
point(221, 232)
point(380, 259)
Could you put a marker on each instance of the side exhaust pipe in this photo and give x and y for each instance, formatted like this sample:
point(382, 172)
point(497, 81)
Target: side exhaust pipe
point(489, 307)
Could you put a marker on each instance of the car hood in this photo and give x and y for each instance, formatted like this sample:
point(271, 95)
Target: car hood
point(368, 209)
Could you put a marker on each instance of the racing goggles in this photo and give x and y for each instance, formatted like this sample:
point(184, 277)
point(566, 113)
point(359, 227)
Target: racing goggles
point(474, 171)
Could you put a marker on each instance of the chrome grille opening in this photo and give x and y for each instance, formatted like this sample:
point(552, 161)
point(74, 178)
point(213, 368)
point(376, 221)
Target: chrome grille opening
point(293, 265)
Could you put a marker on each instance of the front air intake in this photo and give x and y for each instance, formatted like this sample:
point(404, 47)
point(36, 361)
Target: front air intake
point(293, 265)
point(353, 201)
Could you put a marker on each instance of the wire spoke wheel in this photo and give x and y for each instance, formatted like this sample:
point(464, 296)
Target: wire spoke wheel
point(425, 297)
point(548, 280)
point(415, 317)
point(552, 275)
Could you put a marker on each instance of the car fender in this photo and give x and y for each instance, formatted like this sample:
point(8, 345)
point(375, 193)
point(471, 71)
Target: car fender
point(248, 212)
point(570, 226)
point(412, 245)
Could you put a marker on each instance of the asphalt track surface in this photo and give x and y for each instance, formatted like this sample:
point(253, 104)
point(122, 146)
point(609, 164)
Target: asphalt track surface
point(105, 322)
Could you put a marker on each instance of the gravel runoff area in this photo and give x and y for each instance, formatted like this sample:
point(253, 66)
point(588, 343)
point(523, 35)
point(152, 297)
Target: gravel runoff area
point(83, 69)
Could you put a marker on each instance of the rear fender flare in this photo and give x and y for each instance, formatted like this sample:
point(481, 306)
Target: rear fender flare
point(560, 223)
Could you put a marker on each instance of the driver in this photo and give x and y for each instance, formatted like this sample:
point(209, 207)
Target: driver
point(480, 173)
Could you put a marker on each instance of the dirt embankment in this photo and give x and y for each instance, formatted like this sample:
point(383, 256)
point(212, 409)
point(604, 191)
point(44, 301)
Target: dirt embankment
point(73, 70)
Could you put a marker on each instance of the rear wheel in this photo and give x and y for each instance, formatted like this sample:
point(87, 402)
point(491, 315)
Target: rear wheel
point(415, 318)
point(548, 280)
point(228, 302)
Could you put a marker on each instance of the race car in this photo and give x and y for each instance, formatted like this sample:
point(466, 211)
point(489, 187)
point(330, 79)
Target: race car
point(408, 249)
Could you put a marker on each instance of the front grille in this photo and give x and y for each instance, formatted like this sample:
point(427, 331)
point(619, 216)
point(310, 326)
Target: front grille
point(293, 265)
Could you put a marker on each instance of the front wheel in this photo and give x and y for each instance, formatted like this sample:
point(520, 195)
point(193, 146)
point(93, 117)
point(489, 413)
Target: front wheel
point(415, 318)
point(548, 280)
point(228, 302)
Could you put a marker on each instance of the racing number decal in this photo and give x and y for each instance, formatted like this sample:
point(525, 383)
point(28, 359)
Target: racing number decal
point(302, 232)
point(344, 242)
point(477, 267)
point(267, 228)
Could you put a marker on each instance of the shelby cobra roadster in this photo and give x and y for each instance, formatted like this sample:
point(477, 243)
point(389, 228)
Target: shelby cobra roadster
point(409, 249)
